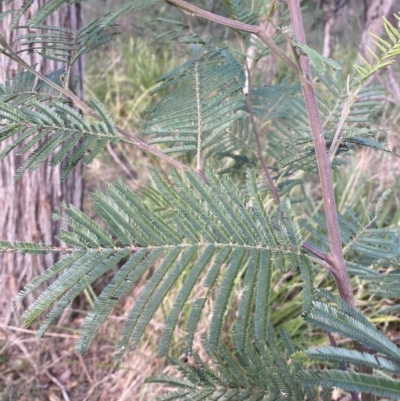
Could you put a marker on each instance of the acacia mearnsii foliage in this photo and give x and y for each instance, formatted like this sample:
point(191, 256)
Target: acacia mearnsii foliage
point(206, 223)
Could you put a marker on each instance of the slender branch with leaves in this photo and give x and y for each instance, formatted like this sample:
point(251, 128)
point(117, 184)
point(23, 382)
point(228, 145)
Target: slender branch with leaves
point(212, 229)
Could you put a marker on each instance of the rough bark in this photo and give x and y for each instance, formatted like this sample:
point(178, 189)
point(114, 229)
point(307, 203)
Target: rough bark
point(27, 205)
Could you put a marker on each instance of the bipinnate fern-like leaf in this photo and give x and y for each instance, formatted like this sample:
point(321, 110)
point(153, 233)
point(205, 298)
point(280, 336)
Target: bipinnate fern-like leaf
point(383, 354)
point(350, 381)
point(362, 243)
point(179, 31)
point(24, 248)
point(279, 103)
point(17, 12)
point(372, 254)
point(318, 62)
point(384, 285)
point(62, 44)
point(211, 235)
point(290, 139)
point(205, 98)
point(333, 94)
point(40, 130)
point(24, 87)
point(65, 45)
point(50, 7)
point(260, 371)
point(346, 108)
point(389, 50)
point(244, 11)
point(6, 13)
point(236, 142)
point(352, 325)
point(348, 356)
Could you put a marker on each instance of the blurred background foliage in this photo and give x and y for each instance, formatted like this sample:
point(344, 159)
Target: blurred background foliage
point(122, 76)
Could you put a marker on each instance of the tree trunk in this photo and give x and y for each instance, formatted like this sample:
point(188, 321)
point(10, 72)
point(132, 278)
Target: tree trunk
point(374, 10)
point(333, 9)
point(266, 67)
point(27, 205)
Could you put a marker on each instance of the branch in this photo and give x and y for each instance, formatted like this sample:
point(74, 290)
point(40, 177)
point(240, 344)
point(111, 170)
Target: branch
point(117, 160)
point(313, 250)
point(254, 29)
point(58, 384)
point(345, 112)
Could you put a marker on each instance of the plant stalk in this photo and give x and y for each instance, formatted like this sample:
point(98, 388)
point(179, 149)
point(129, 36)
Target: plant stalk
point(336, 258)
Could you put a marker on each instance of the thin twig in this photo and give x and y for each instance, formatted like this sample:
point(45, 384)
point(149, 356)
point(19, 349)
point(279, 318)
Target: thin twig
point(59, 385)
point(90, 380)
point(120, 163)
point(254, 29)
point(396, 340)
point(333, 342)
point(32, 332)
point(260, 157)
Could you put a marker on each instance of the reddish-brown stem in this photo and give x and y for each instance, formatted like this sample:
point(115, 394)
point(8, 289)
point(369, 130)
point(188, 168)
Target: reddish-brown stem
point(336, 259)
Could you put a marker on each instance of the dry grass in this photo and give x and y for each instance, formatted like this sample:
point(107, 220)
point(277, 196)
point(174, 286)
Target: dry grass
point(50, 368)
